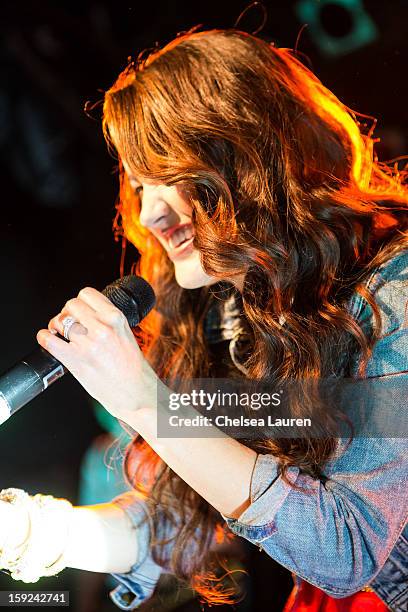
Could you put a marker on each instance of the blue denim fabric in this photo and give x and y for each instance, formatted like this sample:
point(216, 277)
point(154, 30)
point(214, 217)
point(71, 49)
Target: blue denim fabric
point(346, 532)
point(391, 583)
point(138, 584)
point(340, 535)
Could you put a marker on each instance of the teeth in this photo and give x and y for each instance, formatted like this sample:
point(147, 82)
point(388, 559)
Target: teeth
point(179, 236)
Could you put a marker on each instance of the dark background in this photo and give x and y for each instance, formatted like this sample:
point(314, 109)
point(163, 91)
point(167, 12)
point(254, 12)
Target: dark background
point(58, 189)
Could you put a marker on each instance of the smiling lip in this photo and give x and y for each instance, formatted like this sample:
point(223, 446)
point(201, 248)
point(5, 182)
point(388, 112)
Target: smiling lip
point(185, 248)
point(167, 233)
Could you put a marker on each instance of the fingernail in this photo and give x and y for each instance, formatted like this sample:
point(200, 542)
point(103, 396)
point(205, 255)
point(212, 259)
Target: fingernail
point(53, 331)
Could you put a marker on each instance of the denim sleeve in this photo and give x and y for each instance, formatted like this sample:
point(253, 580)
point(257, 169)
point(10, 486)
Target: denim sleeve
point(138, 584)
point(339, 534)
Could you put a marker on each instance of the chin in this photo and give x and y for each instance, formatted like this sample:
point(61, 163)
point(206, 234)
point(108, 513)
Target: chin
point(192, 276)
point(192, 281)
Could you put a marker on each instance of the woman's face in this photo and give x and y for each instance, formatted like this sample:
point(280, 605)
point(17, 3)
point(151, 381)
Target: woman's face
point(167, 214)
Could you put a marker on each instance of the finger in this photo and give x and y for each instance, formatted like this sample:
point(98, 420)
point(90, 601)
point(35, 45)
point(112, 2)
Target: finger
point(95, 299)
point(77, 309)
point(57, 325)
point(60, 349)
point(107, 313)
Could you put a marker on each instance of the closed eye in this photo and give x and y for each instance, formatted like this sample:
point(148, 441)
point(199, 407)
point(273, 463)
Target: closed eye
point(136, 187)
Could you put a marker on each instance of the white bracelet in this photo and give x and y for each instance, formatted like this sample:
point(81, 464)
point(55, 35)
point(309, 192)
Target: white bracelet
point(16, 497)
point(28, 561)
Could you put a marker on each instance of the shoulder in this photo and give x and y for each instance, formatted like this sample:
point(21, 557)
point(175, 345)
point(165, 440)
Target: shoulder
point(389, 286)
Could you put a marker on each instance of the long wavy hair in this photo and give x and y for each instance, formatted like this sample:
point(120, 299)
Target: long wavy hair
point(284, 188)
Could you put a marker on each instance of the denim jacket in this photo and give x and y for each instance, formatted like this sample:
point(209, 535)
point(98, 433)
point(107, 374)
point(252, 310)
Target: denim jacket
point(345, 533)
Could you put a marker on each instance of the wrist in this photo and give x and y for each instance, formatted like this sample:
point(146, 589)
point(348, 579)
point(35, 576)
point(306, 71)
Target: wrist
point(154, 396)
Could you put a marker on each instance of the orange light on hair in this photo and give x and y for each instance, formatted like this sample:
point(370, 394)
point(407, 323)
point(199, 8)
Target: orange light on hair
point(327, 106)
point(284, 189)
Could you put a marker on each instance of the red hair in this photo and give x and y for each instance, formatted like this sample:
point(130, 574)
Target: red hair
point(286, 190)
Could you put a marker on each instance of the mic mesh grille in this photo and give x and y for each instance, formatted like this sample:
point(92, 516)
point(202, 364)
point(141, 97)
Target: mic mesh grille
point(133, 296)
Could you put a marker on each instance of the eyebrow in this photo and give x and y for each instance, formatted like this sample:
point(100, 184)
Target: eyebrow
point(133, 178)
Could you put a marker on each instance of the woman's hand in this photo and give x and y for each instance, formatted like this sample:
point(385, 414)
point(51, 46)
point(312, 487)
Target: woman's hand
point(102, 354)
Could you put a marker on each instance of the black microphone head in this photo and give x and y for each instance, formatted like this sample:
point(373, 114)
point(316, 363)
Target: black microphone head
point(133, 296)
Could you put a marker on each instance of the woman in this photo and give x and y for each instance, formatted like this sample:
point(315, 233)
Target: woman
point(269, 234)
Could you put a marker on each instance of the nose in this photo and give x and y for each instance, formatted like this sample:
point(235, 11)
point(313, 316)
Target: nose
point(154, 209)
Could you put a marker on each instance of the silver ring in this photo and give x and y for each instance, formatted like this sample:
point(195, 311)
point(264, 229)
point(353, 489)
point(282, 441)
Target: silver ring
point(67, 323)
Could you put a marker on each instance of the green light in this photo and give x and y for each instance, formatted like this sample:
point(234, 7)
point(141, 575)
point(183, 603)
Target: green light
point(363, 31)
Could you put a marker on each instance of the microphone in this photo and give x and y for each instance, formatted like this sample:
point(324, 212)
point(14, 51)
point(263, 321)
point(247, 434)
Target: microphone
point(36, 372)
